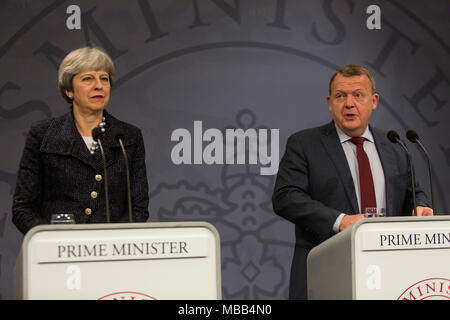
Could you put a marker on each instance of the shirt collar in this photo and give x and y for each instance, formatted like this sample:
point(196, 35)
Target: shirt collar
point(343, 137)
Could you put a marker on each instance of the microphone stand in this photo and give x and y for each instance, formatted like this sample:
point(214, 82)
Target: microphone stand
point(413, 137)
point(395, 138)
point(118, 135)
point(128, 180)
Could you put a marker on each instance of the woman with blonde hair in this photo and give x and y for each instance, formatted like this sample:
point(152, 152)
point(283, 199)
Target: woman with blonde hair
point(62, 169)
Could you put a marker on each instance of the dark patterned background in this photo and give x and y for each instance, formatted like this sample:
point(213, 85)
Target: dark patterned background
point(262, 64)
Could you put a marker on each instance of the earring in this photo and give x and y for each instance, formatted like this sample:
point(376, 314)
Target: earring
point(70, 97)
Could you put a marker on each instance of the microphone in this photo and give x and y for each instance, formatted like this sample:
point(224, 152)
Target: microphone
point(414, 138)
point(119, 136)
point(96, 134)
point(395, 138)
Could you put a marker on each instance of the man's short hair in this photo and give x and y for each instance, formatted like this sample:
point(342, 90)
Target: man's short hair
point(351, 70)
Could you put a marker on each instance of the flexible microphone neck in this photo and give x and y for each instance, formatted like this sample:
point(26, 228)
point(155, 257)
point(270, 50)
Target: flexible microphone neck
point(395, 138)
point(414, 138)
point(119, 136)
point(96, 135)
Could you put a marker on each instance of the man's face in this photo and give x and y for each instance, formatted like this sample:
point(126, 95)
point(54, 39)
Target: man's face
point(351, 103)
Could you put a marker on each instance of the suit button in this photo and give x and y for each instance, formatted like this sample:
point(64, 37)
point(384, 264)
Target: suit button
point(88, 211)
point(94, 194)
point(98, 177)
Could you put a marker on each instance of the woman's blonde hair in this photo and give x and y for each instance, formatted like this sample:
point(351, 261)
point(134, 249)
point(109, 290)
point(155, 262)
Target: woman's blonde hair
point(80, 60)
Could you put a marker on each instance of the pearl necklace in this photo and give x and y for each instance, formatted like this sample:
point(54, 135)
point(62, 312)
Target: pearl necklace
point(102, 126)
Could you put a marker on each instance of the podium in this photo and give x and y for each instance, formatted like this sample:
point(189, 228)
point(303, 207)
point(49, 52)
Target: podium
point(403, 258)
point(169, 260)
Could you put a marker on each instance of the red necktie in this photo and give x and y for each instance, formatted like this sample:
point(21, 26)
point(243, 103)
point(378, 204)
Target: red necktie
point(365, 176)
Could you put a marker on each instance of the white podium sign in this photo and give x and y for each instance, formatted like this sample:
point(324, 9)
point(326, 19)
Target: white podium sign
point(120, 261)
point(405, 258)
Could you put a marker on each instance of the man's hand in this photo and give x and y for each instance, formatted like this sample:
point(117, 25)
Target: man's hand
point(422, 211)
point(348, 220)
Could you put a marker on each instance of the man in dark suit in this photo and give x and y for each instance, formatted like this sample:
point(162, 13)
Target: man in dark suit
point(330, 174)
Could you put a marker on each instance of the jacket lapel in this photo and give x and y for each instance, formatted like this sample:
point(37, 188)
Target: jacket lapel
point(334, 149)
point(63, 138)
point(110, 145)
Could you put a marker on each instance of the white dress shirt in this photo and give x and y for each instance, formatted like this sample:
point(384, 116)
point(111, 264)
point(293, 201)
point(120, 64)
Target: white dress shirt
point(375, 166)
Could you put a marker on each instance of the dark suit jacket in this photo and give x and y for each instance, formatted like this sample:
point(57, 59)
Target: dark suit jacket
point(314, 185)
point(57, 174)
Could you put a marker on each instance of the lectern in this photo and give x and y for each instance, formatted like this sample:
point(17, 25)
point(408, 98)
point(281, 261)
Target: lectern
point(404, 258)
point(179, 260)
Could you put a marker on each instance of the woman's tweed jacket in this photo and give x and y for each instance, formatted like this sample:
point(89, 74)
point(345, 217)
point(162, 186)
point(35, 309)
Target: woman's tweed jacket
point(57, 174)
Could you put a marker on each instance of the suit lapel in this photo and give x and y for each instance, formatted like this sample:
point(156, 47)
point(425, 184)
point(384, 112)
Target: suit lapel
point(334, 149)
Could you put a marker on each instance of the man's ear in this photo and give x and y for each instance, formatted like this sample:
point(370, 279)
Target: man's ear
point(375, 99)
point(329, 102)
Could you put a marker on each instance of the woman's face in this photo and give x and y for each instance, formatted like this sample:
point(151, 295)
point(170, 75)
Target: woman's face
point(90, 91)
